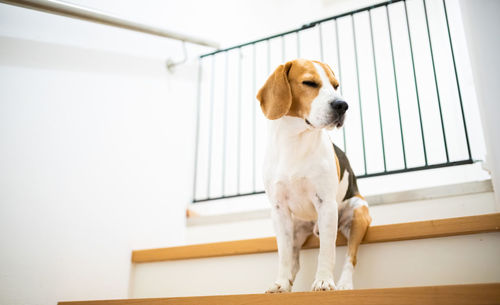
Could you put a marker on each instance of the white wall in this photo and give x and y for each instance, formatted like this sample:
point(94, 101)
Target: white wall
point(90, 165)
point(86, 171)
point(482, 28)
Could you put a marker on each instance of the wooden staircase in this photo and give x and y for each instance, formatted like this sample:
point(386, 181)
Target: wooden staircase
point(461, 250)
point(448, 260)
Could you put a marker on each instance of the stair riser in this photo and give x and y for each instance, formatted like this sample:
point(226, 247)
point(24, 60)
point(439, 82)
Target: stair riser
point(436, 261)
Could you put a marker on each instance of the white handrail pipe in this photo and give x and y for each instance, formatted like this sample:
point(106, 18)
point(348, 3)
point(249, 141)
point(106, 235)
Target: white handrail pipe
point(79, 12)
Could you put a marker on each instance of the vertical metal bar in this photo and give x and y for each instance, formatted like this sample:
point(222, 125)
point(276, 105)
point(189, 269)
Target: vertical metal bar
point(254, 125)
point(283, 49)
point(376, 84)
point(458, 83)
point(416, 85)
point(197, 128)
point(238, 154)
point(210, 127)
point(320, 42)
point(359, 90)
point(396, 85)
point(436, 83)
point(340, 75)
point(298, 44)
point(224, 122)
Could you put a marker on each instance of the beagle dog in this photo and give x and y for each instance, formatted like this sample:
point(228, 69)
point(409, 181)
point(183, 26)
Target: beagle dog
point(308, 180)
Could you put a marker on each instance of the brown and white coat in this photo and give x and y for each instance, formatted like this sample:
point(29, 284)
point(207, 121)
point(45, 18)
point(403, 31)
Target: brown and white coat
point(308, 180)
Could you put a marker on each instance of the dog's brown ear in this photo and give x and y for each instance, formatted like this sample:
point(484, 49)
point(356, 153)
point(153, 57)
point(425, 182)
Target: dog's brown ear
point(276, 95)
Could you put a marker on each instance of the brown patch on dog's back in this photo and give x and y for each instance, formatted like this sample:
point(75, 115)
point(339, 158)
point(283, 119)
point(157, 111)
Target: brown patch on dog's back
point(345, 166)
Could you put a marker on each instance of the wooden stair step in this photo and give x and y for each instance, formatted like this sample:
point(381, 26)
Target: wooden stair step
point(375, 234)
point(478, 294)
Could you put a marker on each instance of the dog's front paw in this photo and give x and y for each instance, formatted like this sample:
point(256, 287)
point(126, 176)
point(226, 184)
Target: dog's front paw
point(323, 285)
point(280, 287)
point(344, 285)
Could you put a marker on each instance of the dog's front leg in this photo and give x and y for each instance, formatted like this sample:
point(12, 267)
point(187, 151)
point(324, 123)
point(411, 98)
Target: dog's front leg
point(327, 225)
point(283, 226)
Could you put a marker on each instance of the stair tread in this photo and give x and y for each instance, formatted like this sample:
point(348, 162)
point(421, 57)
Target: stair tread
point(375, 234)
point(442, 295)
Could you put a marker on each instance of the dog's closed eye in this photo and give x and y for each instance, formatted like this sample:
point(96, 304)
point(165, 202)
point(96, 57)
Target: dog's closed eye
point(310, 83)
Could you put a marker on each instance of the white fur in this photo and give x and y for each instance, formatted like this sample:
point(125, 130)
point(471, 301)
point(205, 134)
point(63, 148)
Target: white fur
point(300, 178)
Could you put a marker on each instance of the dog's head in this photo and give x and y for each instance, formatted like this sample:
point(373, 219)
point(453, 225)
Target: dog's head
point(305, 89)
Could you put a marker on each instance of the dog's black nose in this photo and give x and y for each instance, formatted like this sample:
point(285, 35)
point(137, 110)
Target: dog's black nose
point(339, 106)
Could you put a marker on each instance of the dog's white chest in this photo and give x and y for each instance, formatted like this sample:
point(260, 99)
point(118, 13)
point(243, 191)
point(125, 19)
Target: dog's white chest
point(300, 172)
point(297, 194)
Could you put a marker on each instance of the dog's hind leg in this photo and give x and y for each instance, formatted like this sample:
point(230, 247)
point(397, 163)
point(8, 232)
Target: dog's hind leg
point(354, 226)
